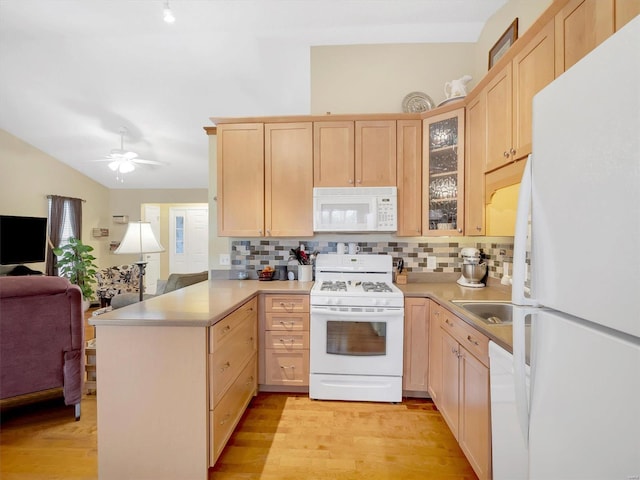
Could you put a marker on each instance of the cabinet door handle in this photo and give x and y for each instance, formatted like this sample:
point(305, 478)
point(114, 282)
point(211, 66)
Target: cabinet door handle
point(268, 232)
point(250, 381)
point(284, 367)
point(506, 154)
point(225, 419)
point(225, 366)
point(475, 342)
point(260, 232)
point(478, 227)
point(512, 151)
point(350, 180)
point(226, 329)
point(291, 341)
point(446, 320)
point(359, 181)
point(284, 324)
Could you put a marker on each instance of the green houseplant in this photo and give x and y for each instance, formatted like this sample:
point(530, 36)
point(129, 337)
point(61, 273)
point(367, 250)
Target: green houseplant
point(75, 262)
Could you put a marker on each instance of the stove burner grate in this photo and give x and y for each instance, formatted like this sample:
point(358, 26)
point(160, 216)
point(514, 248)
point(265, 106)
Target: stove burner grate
point(328, 286)
point(376, 287)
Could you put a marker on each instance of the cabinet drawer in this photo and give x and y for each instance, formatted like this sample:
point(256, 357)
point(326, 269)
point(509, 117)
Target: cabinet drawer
point(225, 327)
point(227, 362)
point(287, 322)
point(286, 303)
point(471, 339)
point(287, 341)
point(287, 368)
point(231, 407)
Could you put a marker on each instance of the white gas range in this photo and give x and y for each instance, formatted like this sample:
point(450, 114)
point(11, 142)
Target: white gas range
point(357, 329)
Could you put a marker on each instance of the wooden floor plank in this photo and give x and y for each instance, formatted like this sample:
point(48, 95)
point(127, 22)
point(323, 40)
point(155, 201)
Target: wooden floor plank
point(280, 437)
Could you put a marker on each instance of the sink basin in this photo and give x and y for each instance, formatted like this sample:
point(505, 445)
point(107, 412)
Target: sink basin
point(491, 313)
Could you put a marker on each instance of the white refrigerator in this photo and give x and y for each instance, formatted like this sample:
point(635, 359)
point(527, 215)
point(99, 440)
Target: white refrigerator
point(579, 219)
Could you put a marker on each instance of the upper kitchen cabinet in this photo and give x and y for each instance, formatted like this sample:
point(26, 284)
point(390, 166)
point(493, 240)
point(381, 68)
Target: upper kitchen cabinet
point(288, 179)
point(409, 176)
point(580, 26)
point(375, 155)
point(265, 179)
point(443, 179)
point(509, 98)
point(240, 171)
point(625, 11)
point(333, 154)
point(354, 153)
point(474, 166)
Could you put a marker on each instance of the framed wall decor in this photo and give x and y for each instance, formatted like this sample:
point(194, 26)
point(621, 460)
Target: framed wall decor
point(504, 42)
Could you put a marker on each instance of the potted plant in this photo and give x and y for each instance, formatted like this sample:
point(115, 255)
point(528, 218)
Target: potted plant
point(75, 262)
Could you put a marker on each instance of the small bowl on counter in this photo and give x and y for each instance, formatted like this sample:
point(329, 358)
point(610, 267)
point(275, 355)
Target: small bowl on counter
point(265, 275)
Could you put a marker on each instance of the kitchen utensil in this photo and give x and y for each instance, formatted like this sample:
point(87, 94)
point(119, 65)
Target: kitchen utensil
point(400, 265)
point(341, 248)
point(354, 248)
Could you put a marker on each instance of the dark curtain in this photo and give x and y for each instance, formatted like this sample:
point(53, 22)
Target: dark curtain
point(75, 217)
point(59, 208)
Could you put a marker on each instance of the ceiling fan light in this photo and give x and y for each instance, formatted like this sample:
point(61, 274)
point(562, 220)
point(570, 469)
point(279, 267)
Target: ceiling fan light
point(126, 166)
point(114, 165)
point(167, 14)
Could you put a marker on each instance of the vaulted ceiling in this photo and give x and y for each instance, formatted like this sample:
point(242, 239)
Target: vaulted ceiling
point(74, 72)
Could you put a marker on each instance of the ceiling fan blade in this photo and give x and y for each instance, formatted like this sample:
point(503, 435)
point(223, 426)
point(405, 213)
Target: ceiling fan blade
point(147, 162)
point(130, 155)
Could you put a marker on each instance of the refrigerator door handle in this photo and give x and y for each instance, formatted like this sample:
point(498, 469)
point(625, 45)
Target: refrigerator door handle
point(519, 372)
point(520, 241)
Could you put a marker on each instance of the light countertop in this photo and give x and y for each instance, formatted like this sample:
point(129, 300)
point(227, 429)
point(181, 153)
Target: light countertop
point(203, 304)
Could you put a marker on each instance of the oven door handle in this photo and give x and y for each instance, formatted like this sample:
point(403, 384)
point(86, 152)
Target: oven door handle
point(351, 314)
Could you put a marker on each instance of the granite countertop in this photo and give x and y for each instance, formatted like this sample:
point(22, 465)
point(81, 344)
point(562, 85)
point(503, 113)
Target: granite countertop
point(203, 304)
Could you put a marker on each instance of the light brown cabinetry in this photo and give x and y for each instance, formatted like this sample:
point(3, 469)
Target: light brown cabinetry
point(416, 344)
point(625, 11)
point(265, 179)
point(474, 166)
point(509, 98)
point(288, 179)
point(443, 174)
point(461, 358)
point(233, 374)
point(409, 177)
point(333, 154)
point(286, 340)
point(358, 153)
point(581, 26)
point(240, 171)
point(434, 377)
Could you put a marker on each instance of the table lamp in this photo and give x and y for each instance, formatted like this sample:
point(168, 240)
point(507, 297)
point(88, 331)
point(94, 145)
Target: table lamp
point(139, 239)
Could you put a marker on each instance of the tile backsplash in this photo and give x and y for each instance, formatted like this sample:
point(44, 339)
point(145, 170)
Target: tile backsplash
point(254, 254)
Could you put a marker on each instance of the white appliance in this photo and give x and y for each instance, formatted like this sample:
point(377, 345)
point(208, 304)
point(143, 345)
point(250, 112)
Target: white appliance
point(474, 270)
point(580, 418)
point(355, 209)
point(357, 329)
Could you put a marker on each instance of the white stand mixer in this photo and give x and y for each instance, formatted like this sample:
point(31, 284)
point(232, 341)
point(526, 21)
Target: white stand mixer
point(473, 268)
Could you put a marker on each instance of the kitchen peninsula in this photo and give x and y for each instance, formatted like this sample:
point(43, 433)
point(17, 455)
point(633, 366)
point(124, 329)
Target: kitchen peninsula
point(158, 378)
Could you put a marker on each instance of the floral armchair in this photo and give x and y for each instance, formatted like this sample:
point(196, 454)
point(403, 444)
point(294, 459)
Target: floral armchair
point(115, 280)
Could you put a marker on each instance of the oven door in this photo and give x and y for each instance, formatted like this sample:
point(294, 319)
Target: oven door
point(356, 340)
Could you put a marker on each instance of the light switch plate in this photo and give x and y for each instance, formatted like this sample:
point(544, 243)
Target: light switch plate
point(225, 259)
point(432, 263)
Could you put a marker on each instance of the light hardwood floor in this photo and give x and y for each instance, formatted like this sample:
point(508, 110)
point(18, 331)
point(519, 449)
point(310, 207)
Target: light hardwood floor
point(281, 436)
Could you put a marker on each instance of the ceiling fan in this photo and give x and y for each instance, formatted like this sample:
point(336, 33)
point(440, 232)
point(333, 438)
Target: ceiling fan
point(124, 161)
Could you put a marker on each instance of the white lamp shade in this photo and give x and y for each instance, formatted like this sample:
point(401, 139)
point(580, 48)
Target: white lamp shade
point(139, 238)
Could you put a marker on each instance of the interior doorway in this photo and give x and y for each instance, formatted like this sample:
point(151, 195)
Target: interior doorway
point(189, 239)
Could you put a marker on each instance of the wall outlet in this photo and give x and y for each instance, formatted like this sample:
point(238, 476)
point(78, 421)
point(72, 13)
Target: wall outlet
point(432, 263)
point(225, 259)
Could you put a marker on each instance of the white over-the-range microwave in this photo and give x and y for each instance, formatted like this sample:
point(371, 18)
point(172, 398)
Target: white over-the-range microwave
point(355, 209)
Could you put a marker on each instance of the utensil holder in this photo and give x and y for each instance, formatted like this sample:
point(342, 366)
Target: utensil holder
point(305, 273)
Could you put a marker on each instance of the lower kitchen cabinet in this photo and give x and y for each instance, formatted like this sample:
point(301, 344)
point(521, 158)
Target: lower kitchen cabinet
point(233, 375)
point(285, 340)
point(416, 344)
point(461, 359)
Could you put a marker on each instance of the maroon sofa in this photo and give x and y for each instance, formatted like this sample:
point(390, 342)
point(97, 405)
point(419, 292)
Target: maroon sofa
point(41, 337)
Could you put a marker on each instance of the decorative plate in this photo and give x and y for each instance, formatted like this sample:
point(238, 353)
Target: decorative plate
point(452, 99)
point(416, 102)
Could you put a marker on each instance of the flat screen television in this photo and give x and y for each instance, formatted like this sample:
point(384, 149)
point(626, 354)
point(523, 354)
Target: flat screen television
point(22, 239)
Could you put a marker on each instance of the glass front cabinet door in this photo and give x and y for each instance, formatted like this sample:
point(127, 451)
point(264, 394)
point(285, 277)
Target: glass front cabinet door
point(443, 157)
